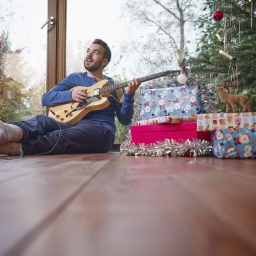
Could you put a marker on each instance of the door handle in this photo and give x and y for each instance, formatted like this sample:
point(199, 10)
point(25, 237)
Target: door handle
point(51, 20)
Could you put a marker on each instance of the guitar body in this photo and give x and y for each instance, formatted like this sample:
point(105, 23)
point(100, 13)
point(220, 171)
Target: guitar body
point(72, 112)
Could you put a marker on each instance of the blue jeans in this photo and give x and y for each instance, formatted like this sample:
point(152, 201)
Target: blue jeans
point(44, 135)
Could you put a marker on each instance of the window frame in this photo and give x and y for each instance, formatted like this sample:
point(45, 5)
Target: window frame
point(56, 43)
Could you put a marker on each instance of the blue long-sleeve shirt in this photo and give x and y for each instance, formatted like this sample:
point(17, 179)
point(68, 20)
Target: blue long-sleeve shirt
point(61, 93)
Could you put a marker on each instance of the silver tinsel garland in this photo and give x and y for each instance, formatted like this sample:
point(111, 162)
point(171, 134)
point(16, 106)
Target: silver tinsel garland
point(170, 148)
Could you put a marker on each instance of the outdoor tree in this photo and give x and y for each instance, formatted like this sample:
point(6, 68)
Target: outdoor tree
point(165, 32)
point(21, 81)
point(17, 100)
point(11, 92)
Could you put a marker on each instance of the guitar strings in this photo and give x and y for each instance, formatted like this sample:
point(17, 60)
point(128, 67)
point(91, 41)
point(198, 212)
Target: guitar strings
point(114, 98)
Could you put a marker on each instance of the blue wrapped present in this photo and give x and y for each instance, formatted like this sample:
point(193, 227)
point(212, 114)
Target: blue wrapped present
point(231, 143)
point(181, 101)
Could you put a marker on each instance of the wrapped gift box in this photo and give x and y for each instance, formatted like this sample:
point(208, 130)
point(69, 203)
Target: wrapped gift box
point(159, 132)
point(167, 119)
point(178, 101)
point(215, 121)
point(230, 143)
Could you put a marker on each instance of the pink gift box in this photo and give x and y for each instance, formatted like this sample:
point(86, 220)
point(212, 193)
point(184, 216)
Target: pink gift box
point(159, 132)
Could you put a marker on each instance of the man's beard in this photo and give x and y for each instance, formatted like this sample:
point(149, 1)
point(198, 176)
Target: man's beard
point(92, 68)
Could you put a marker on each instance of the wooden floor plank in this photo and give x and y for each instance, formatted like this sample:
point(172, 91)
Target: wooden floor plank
point(136, 207)
point(13, 167)
point(28, 202)
point(230, 197)
point(239, 166)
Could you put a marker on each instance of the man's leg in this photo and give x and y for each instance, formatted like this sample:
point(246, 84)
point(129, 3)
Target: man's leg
point(26, 130)
point(85, 137)
point(39, 125)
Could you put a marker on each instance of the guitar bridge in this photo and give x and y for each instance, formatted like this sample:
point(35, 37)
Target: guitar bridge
point(87, 102)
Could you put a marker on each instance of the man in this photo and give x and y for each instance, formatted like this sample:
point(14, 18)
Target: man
point(94, 133)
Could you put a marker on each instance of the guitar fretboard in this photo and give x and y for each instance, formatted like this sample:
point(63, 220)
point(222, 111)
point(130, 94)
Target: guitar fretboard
point(142, 79)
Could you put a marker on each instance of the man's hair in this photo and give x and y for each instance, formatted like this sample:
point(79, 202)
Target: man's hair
point(107, 52)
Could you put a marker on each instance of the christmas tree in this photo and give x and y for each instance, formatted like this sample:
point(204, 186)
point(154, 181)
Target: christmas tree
point(226, 51)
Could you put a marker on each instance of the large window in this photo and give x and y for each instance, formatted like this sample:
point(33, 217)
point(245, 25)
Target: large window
point(32, 54)
point(23, 46)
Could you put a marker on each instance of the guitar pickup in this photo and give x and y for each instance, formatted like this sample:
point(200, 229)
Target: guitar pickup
point(96, 91)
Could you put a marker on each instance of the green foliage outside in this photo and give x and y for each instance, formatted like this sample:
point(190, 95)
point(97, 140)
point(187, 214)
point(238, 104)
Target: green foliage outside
point(11, 101)
point(17, 102)
point(11, 92)
point(121, 130)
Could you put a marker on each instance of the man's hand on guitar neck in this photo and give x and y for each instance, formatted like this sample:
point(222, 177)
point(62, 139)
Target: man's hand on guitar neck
point(79, 94)
point(133, 85)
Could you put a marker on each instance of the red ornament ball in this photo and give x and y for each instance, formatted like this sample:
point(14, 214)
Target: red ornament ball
point(218, 15)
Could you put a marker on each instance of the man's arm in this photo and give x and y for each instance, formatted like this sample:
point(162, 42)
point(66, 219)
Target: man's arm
point(59, 94)
point(125, 113)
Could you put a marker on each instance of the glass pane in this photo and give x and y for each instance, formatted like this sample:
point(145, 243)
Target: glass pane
point(23, 47)
point(87, 21)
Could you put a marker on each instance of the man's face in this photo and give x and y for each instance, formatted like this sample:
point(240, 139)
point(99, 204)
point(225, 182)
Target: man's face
point(94, 58)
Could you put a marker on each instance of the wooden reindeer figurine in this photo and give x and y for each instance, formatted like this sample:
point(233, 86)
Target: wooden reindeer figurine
point(233, 100)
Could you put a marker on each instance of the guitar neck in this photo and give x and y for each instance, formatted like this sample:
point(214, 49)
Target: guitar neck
point(142, 79)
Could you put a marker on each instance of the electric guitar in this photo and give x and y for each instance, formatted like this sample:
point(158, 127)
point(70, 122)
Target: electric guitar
point(72, 112)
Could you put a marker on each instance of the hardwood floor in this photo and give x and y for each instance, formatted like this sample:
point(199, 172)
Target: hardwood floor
point(114, 205)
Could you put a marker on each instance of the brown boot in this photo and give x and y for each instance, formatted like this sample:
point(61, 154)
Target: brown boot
point(9, 133)
point(11, 149)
